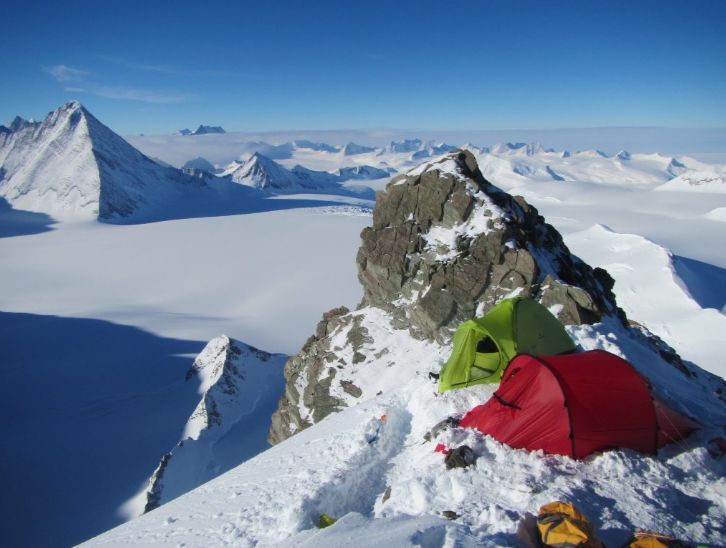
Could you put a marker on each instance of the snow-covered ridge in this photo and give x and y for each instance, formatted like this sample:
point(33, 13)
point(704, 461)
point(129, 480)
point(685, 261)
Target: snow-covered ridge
point(697, 181)
point(263, 173)
point(239, 385)
point(643, 273)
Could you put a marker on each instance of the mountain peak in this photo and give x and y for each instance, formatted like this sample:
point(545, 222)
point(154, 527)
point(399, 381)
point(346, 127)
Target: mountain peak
point(351, 149)
point(406, 145)
point(445, 246)
point(235, 379)
point(71, 165)
point(72, 105)
point(206, 130)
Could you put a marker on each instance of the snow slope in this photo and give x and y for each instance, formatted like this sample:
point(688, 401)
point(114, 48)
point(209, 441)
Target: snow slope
point(717, 214)
point(697, 181)
point(346, 465)
point(644, 275)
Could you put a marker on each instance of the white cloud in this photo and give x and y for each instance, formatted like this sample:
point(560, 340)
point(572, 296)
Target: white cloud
point(159, 97)
point(64, 73)
point(177, 70)
point(77, 81)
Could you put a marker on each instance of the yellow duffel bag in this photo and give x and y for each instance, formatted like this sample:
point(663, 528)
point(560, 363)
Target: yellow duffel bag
point(562, 525)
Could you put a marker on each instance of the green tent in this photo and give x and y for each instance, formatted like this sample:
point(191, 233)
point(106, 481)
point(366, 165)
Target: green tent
point(483, 347)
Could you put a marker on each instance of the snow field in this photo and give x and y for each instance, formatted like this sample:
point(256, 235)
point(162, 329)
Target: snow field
point(193, 278)
point(164, 289)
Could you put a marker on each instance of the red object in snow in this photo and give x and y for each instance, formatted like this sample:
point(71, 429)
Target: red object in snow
point(441, 448)
point(575, 405)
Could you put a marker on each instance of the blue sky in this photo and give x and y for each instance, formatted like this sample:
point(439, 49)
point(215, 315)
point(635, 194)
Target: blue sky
point(156, 66)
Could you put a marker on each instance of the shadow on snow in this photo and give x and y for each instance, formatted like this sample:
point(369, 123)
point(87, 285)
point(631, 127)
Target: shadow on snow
point(89, 407)
point(234, 199)
point(705, 282)
point(17, 222)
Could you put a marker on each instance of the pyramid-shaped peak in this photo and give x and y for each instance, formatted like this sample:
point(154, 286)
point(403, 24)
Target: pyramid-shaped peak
point(72, 165)
point(73, 105)
point(71, 108)
point(259, 159)
point(69, 114)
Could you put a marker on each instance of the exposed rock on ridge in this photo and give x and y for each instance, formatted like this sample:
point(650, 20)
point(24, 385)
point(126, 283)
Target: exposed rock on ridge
point(239, 384)
point(445, 245)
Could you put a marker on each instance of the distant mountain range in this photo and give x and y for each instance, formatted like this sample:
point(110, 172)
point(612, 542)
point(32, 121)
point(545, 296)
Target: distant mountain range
point(202, 130)
point(70, 165)
point(261, 172)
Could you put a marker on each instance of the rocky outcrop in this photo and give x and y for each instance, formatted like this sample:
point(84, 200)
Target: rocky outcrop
point(309, 364)
point(445, 245)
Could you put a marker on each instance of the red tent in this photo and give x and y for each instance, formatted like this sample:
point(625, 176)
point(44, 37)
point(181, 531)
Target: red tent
point(576, 404)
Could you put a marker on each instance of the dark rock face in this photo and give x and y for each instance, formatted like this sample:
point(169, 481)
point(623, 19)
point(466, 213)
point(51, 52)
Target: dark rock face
point(445, 245)
point(507, 247)
point(312, 365)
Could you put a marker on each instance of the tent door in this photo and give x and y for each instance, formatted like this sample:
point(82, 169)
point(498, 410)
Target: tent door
point(486, 359)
